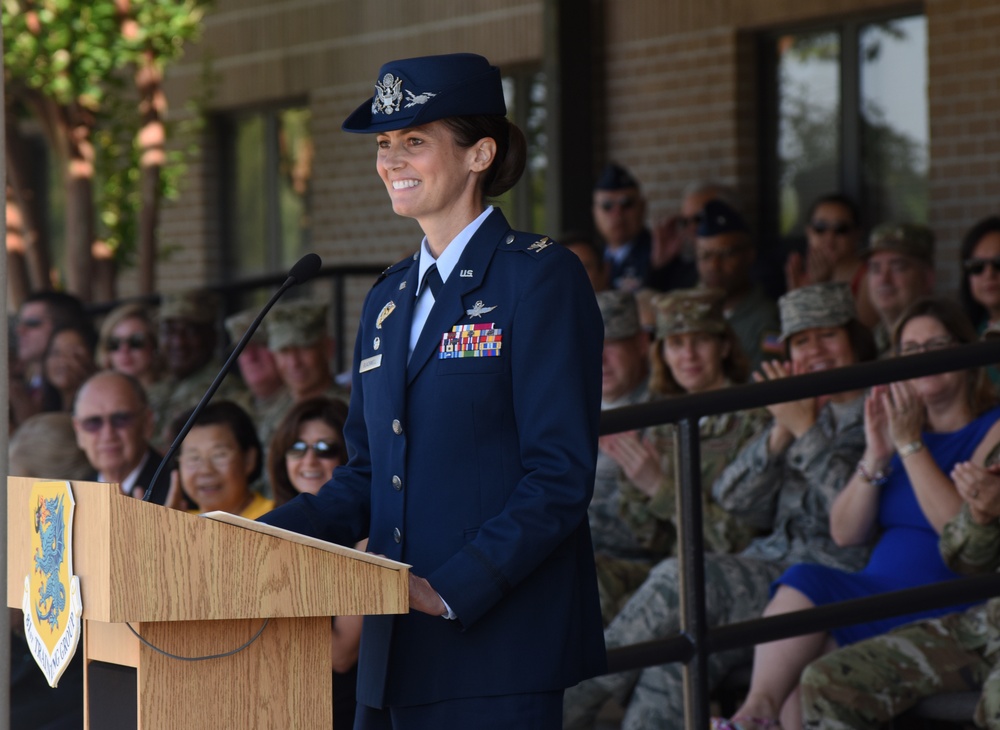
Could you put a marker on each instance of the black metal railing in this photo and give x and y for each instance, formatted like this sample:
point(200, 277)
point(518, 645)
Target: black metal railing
point(696, 640)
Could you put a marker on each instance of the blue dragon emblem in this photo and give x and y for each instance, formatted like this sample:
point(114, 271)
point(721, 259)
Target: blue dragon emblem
point(49, 559)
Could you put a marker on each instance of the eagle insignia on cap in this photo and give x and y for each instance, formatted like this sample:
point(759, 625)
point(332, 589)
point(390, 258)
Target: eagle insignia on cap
point(416, 99)
point(388, 95)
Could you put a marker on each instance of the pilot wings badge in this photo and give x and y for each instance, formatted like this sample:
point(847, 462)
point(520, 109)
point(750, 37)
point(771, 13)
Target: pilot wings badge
point(478, 310)
point(51, 600)
point(388, 95)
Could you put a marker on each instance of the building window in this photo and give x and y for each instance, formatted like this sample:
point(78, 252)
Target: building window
point(847, 111)
point(267, 177)
point(524, 93)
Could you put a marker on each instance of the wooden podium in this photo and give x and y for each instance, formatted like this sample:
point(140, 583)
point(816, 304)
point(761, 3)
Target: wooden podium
point(193, 587)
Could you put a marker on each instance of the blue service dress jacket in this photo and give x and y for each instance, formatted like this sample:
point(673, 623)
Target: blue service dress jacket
point(474, 463)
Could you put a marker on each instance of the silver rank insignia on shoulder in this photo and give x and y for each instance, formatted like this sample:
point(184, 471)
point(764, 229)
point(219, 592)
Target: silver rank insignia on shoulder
point(415, 99)
point(388, 95)
point(540, 244)
point(478, 310)
point(402, 285)
point(386, 311)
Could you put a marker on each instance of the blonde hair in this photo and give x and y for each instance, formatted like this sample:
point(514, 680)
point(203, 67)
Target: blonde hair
point(116, 316)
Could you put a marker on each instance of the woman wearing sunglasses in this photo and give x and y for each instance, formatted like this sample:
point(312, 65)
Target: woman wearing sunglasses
point(833, 251)
point(128, 344)
point(306, 447)
point(980, 289)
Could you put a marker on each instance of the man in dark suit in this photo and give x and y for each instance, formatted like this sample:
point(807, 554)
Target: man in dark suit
point(472, 428)
point(113, 424)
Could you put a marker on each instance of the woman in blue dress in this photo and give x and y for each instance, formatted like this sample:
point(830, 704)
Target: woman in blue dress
point(900, 496)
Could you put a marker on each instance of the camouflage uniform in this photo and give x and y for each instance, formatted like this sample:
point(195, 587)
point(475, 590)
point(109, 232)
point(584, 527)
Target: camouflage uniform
point(300, 324)
point(789, 493)
point(866, 684)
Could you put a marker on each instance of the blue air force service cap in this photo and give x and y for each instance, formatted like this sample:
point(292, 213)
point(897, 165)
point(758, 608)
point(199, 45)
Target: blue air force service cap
point(415, 91)
point(718, 218)
point(615, 177)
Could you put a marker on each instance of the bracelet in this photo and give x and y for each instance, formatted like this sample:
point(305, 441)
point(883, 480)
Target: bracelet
point(910, 448)
point(877, 479)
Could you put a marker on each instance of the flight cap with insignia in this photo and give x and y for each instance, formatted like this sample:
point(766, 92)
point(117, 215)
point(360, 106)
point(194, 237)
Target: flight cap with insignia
point(414, 91)
point(829, 304)
point(615, 177)
point(194, 305)
point(297, 324)
point(690, 310)
point(718, 217)
point(620, 313)
point(237, 324)
point(911, 239)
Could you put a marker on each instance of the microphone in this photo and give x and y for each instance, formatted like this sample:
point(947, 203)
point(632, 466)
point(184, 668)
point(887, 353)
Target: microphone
point(304, 269)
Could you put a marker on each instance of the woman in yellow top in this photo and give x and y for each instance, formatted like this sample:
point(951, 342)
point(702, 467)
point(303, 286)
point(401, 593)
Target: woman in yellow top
point(219, 460)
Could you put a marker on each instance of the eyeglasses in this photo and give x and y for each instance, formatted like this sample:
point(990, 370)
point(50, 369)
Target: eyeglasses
point(624, 203)
point(932, 345)
point(838, 229)
point(118, 421)
point(326, 450)
point(132, 342)
point(975, 267)
point(218, 458)
point(30, 323)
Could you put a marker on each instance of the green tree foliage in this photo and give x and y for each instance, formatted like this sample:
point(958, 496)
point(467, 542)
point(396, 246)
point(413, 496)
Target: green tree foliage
point(90, 71)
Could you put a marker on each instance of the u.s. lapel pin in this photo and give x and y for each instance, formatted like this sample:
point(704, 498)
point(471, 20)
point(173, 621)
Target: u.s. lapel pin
point(386, 311)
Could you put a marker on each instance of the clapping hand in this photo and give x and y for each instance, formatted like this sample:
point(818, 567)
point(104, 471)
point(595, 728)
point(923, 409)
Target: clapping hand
point(979, 486)
point(638, 459)
point(797, 416)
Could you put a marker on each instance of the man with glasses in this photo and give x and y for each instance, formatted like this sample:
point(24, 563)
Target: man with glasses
point(620, 217)
point(113, 424)
point(900, 271)
point(725, 255)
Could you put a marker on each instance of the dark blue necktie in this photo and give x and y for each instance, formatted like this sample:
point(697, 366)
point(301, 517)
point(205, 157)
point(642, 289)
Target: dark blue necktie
point(432, 280)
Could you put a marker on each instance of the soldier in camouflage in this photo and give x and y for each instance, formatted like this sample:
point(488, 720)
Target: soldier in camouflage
point(867, 684)
point(695, 351)
point(779, 481)
point(298, 337)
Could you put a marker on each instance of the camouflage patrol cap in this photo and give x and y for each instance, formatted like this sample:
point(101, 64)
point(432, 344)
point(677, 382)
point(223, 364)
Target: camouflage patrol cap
point(620, 314)
point(237, 324)
point(829, 304)
point(690, 310)
point(299, 324)
point(194, 305)
point(911, 239)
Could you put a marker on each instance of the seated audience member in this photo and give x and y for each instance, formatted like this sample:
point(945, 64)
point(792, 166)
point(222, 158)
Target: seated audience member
point(303, 350)
point(624, 376)
point(219, 459)
point(188, 341)
point(41, 313)
point(128, 344)
point(833, 251)
point(725, 253)
point(113, 424)
point(696, 351)
point(784, 481)
point(68, 362)
point(900, 271)
point(591, 256)
point(672, 257)
point(980, 257)
point(269, 398)
point(44, 446)
point(901, 495)
point(865, 685)
point(619, 211)
point(307, 446)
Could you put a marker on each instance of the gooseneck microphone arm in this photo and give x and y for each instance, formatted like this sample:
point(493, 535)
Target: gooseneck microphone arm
point(303, 270)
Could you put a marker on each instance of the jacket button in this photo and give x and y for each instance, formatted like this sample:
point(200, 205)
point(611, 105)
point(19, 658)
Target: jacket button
point(397, 483)
point(397, 427)
point(397, 535)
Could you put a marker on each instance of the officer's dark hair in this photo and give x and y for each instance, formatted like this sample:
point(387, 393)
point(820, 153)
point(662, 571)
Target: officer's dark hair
point(861, 339)
point(226, 413)
point(512, 149)
point(840, 199)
